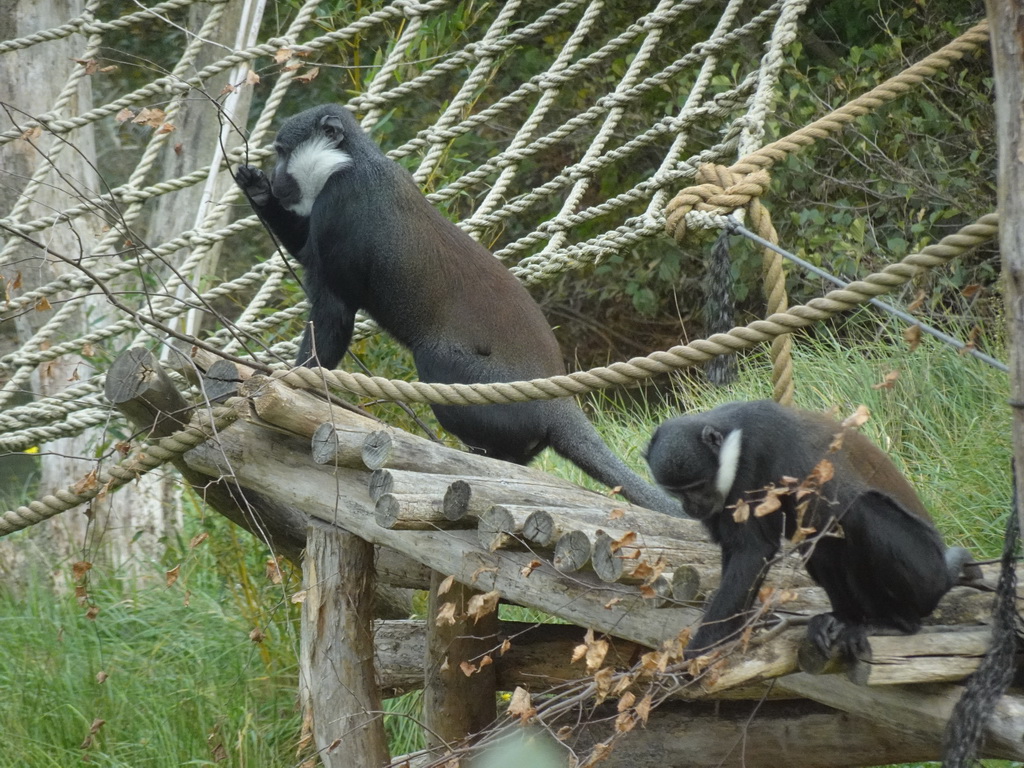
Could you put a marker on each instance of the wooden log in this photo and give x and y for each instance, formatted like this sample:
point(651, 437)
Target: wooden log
point(385, 448)
point(767, 734)
point(472, 496)
point(915, 709)
point(223, 379)
point(193, 362)
point(414, 512)
point(340, 496)
point(405, 483)
point(929, 655)
point(338, 445)
point(572, 552)
point(297, 411)
point(1005, 18)
point(537, 656)
point(138, 386)
point(501, 527)
point(686, 586)
point(337, 678)
point(459, 692)
point(627, 565)
point(933, 655)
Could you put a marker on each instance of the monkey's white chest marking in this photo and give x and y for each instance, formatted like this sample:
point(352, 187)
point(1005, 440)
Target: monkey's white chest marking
point(728, 462)
point(311, 164)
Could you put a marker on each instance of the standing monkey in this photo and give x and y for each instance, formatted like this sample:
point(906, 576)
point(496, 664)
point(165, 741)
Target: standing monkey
point(870, 543)
point(369, 239)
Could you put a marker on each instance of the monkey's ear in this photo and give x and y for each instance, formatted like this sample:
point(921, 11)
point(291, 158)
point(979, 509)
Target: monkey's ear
point(712, 438)
point(332, 128)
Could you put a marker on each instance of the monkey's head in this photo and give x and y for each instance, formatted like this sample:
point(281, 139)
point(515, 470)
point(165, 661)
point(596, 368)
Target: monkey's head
point(695, 460)
point(311, 147)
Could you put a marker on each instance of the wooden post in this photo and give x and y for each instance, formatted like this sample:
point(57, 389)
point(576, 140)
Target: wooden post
point(1006, 22)
point(338, 685)
point(457, 704)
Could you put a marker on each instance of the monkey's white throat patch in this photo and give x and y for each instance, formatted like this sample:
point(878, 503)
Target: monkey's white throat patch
point(311, 165)
point(728, 462)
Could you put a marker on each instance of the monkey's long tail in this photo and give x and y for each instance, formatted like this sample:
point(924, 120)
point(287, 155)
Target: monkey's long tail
point(993, 676)
point(574, 437)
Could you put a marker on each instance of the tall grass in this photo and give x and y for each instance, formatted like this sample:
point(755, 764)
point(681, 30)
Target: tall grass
point(174, 675)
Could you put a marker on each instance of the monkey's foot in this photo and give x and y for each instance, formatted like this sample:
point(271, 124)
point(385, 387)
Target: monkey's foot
point(833, 636)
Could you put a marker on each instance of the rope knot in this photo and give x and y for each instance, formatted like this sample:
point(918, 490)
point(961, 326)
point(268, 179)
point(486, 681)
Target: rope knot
point(720, 191)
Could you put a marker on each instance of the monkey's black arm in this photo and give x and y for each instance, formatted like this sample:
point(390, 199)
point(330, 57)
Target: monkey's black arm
point(290, 229)
point(744, 566)
point(329, 330)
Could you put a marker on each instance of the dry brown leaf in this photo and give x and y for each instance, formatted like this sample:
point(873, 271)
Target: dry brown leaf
point(858, 418)
point(197, 540)
point(486, 661)
point(43, 304)
point(150, 117)
point(596, 652)
point(468, 669)
point(282, 55)
point(445, 585)
point(617, 513)
point(918, 302)
point(483, 605)
point(273, 568)
point(172, 575)
point(101, 677)
point(625, 702)
point(446, 615)
point(124, 115)
point(251, 78)
point(520, 705)
point(257, 635)
point(79, 569)
point(92, 612)
point(625, 722)
point(888, 381)
point(612, 603)
point(742, 511)
point(530, 567)
point(627, 539)
point(309, 76)
point(912, 336)
point(32, 133)
point(823, 471)
point(91, 65)
point(771, 502)
point(603, 681)
point(299, 597)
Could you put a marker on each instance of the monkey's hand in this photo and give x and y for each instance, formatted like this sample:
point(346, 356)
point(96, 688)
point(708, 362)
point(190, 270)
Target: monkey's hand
point(254, 184)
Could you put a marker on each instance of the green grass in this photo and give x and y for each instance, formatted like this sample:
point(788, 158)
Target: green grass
point(183, 675)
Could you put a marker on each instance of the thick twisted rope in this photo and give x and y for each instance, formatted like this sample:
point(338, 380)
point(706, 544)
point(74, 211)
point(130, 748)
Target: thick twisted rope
point(724, 190)
point(202, 426)
point(205, 424)
point(640, 368)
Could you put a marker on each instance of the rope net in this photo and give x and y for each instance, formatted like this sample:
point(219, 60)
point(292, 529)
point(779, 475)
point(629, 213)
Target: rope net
point(472, 100)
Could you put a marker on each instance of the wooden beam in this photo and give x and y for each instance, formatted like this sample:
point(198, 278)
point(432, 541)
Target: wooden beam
point(1006, 20)
point(459, 698)
point(337, 682)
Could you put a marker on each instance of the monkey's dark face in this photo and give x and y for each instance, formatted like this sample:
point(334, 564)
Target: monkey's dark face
point(310, 149)
point(696, 462)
